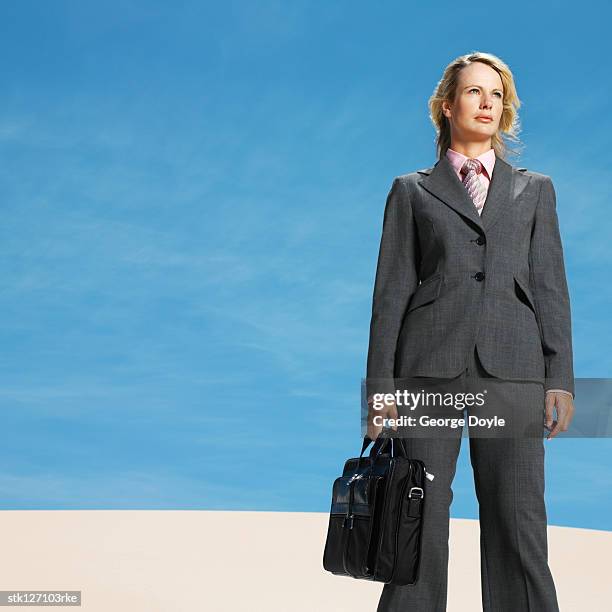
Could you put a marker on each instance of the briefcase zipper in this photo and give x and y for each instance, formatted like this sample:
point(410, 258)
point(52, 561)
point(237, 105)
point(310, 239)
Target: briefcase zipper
point(347, 524)
point(348, 520)
point(349, 514)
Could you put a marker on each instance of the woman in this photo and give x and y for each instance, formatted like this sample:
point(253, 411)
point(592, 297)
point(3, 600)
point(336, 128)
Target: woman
point(471, 281)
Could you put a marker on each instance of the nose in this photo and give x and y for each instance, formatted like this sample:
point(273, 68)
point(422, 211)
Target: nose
point(486, 102)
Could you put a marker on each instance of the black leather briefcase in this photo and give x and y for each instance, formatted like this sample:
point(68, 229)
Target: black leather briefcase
point(376, 517)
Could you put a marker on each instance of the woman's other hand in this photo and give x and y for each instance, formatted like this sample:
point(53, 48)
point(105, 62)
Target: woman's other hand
point(565, 412)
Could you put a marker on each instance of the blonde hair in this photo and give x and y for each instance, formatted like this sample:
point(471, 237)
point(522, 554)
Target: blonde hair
point(446, 89)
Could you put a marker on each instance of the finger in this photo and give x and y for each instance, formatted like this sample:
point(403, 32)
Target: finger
point(556, 429)
point(570, 415)
point(549, 409)
point(566, 417)
point(393, 414)
point(373, 429)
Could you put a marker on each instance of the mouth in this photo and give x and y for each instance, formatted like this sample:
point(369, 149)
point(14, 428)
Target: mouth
point(484, 118)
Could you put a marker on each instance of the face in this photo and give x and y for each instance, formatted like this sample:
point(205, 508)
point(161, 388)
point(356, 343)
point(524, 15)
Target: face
point(479, 93)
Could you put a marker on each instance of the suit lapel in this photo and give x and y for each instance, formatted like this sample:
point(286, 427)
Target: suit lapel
point(442, 181)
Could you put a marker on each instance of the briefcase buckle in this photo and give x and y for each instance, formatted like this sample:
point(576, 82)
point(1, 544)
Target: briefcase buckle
point(419, 493)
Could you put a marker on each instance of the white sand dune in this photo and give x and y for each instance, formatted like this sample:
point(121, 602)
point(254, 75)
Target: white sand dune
point(187, 561)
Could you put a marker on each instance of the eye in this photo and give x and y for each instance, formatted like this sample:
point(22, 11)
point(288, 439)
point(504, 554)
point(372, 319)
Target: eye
point(499, 94)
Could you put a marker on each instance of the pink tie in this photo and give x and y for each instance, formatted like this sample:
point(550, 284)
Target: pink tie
point(476, 190)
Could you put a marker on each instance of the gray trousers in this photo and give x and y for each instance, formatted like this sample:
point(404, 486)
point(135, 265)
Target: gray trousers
point(509, 482)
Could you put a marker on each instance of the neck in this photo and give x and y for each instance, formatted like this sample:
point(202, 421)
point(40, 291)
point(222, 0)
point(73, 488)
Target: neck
point(470, 149)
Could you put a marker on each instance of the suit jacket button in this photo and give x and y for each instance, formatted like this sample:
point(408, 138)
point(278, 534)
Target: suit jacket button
point(480, 240)
point(479, 276)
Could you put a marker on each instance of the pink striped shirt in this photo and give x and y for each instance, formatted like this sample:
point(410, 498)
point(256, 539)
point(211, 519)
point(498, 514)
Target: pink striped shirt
point(486, 159)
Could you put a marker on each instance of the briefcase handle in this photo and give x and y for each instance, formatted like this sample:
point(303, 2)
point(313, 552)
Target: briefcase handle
point(397, 450)
point(397, 447)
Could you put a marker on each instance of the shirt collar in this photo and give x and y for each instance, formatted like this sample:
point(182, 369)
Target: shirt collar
point(487, 159)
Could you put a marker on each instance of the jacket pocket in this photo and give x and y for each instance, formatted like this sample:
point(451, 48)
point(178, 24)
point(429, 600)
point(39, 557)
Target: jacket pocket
point(426, 292)
point(524, 294)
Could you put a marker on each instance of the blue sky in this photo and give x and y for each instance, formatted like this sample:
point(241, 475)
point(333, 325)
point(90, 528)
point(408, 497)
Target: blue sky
point(192, 199)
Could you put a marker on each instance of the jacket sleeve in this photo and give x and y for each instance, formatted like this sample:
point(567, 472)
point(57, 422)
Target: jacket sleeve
point(395, 282)
point(549, 285)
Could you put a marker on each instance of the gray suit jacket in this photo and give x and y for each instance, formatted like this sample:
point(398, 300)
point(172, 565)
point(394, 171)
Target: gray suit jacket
point(448, 280)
